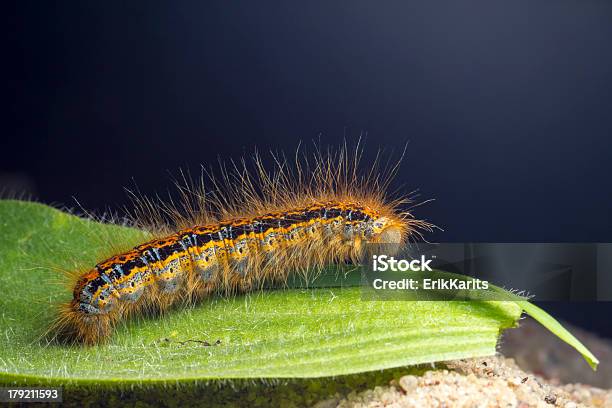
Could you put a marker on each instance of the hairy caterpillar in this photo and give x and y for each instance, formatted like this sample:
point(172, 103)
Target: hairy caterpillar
point(249, 228)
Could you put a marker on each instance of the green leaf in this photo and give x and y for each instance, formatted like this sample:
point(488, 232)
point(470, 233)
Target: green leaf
point(554, 326)
point(287, 333)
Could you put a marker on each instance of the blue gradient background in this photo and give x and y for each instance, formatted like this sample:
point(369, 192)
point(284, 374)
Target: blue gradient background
point(507, 105)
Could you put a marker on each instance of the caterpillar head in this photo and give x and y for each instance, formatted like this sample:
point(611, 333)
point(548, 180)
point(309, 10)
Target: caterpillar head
point(387, 230)
point(386, 233)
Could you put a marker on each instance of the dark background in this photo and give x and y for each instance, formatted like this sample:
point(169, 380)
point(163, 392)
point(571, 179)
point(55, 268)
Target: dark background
point(507, 105)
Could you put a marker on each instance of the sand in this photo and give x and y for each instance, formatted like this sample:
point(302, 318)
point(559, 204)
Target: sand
point(544, 372)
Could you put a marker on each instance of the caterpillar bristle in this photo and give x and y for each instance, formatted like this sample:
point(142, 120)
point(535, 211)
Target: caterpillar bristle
point(71, 327)
point(239, 232)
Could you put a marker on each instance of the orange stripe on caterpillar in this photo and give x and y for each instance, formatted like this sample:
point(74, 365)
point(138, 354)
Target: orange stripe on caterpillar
point(306, 231)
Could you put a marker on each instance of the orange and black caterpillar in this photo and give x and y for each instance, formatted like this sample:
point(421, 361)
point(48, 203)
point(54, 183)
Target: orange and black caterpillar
point(244, 233)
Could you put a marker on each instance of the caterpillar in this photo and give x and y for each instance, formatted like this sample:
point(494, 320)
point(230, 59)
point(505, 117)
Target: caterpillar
point(237, 233)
